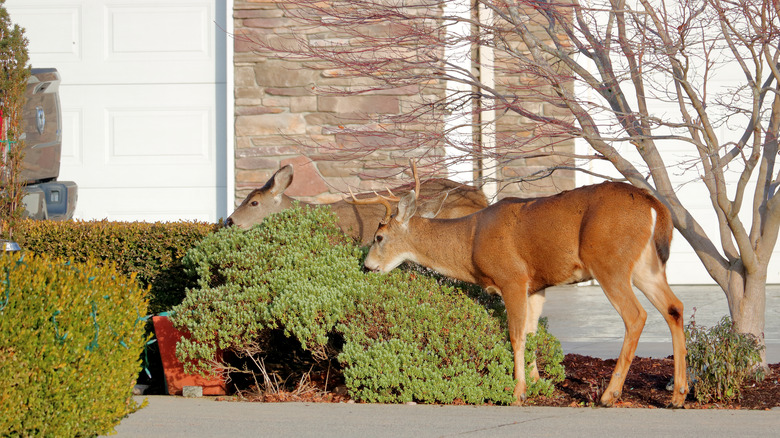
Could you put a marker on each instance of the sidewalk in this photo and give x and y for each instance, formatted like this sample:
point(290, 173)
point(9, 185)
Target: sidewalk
point(174, 417)
point(584, 321)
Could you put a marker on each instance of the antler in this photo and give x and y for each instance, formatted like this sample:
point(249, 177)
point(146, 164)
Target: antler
point(378, 199)
point(416, 179)
point(385, 200)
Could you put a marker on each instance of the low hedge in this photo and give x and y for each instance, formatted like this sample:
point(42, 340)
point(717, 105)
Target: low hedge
point(401, 336)
point(71, 335)
point(150, 251)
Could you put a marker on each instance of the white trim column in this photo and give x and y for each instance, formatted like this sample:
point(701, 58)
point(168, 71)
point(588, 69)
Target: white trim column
point(230, 108)
point(487, 117)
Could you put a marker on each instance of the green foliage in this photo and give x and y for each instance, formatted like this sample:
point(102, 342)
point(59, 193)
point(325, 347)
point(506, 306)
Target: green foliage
point(14, 73)
point(405, 336)
point(547, 351)
point(150, 251)
point(70, 339)
point(413, 340)
point(720, 360)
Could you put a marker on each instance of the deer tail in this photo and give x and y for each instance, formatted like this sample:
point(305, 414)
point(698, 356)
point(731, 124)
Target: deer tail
point(662, 234)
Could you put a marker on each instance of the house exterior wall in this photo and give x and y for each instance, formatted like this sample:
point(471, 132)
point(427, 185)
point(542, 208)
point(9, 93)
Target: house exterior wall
point(281, 116)
point(529, 149)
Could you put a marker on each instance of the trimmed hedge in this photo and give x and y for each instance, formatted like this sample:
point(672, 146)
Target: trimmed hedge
point(71, 335)
point(404, 337)
point(150, 251)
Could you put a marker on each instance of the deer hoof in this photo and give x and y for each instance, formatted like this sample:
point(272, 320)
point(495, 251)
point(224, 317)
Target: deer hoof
point(519, 400)
point(677, 402)
point(607, 400)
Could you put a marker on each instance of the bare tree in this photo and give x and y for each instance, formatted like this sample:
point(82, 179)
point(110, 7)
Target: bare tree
point(630, 78)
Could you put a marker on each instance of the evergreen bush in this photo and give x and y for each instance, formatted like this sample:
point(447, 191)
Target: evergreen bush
point(14, 73)
point(547, 350)
point(402, 336)
point(71, 335)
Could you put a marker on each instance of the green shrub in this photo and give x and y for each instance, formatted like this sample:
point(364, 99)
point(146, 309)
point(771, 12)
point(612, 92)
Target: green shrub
point(720, 360)
point(150, 251)
point(403, 336)
point(70, 339)
point(412, 340)
point(546, 349)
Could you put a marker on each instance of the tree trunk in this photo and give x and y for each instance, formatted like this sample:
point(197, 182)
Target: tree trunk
point(746, 296)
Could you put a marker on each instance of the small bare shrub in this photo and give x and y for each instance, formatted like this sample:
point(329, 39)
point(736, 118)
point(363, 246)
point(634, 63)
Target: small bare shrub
point(720, 360)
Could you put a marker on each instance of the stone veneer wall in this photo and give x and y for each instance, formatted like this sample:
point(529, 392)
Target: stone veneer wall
point(516, 133)
point(278, 108)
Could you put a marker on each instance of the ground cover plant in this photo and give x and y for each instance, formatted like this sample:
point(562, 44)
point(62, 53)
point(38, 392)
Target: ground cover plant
point(295, 374)
point(394, 338)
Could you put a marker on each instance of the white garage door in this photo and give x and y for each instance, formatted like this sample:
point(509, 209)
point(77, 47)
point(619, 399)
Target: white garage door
point(143, 100)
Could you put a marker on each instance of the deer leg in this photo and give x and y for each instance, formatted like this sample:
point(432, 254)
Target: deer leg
point(535, 305)
point(652, 282)
point(516, 303)
point(623, 299)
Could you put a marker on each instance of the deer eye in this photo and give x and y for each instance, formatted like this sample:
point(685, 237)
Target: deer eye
point(378, 238)
point(253, 203)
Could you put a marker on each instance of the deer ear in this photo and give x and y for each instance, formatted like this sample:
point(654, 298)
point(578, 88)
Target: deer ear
point(407, 206)
point(281, 180)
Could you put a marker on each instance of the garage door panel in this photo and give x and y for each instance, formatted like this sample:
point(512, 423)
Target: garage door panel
point(123, 204)
point(120, 42)
point(129, 130)
point(169, 41)
point(158, 39)
point(167, 135)
point(62, 23)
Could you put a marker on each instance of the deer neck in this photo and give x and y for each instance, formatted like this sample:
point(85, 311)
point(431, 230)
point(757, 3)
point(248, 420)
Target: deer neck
point(444, 245)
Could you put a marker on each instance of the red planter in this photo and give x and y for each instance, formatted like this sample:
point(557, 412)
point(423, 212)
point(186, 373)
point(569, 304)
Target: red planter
point(175, 377)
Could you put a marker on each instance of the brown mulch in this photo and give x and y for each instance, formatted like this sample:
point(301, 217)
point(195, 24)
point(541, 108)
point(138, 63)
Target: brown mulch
point(586, 377)
point(645, 387)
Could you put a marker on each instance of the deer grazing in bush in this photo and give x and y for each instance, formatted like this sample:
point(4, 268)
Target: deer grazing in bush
point(612, 232)
point(441, 198)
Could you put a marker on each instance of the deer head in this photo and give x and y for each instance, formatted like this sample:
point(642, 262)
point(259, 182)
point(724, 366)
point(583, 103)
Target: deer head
point(264, 201)
point(392, 245)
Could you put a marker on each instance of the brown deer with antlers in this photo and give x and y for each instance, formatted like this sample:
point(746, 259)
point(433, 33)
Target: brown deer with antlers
point(442, 198)
point(612, 232)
